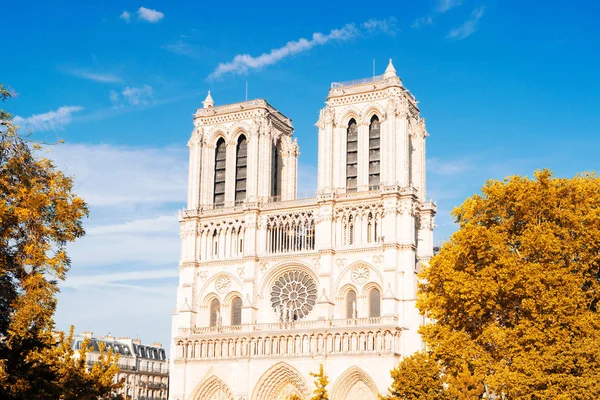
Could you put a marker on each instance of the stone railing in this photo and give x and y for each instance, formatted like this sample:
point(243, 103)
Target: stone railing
point(287, 326)
point(309, 344)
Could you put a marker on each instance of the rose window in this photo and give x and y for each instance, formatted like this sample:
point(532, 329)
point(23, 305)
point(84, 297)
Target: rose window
point(293, 295)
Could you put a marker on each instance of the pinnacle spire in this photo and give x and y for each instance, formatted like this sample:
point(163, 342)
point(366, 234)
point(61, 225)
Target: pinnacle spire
point(390, 71)
point(208, 102)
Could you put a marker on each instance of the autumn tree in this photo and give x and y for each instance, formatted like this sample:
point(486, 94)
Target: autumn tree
point(39, 216)
point(417, 377)
point(514, 295)
point(321, 382)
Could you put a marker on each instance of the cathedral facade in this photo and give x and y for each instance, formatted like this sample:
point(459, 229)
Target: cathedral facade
point(272, 285)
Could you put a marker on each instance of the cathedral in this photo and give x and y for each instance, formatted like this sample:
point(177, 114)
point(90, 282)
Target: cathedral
point(272, 285)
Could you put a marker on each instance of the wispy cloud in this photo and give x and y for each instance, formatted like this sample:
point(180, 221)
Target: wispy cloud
point(126, 16)
point(420, 22)
point(182, 48)
point(50, 121)
point(442, 7)
point(387, 25)
point(149, 15)
point(469, 27)
point(125, 177)
point(135, 96)
point(448, 167)
point(243, 63)
point(446, 5)
point(101, 280)
point(93, 76)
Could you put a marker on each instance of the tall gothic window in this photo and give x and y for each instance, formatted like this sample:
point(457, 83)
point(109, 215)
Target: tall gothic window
point(236, 311)
point(215, 312)
point(220, 159)
point(276, 171)
point(240, 169)
point(351, 155)
point(351, 304)
point(374, 153)
point(374, 303)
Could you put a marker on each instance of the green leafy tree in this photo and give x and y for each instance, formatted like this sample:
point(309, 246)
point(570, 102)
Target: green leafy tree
point(514, 295)
point(321, 382)
point(39, 215)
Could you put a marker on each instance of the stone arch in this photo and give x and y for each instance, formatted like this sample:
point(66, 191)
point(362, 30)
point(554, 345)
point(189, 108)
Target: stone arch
point(280, 381)
point(347, 115)
point(372, 110)
point(236, 132)
point(236, 285)
point(214, 135)
point(212, 388)
point(354, 384)
point(341, 280)
point(371, 285)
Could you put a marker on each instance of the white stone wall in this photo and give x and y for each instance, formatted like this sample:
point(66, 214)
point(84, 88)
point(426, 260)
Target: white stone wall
point(373, 238)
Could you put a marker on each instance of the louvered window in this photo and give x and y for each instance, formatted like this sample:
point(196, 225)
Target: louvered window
point(276, 172)
point(240, 169)
point(220, 160)
point(351, 156)
point(374, 153)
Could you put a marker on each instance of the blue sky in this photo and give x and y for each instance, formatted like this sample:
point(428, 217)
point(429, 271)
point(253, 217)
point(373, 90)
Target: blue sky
point(505, 86)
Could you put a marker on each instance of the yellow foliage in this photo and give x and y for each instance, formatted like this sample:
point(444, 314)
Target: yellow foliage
point(321, 382)
point(515, 292)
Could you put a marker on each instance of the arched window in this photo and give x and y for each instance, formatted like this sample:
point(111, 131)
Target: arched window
point(374, 303)
point(236, 311)
point(374, 153)
point(276, 171)
point(240, 169)
point(215, 312)
point(351, 155)
point(220, 159)
point(351, 304)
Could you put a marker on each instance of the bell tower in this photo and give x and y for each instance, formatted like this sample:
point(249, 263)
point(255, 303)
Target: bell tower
point(241, 153)
point(371, 136)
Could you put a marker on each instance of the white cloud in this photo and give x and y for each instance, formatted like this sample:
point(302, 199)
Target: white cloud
point(138, 95)
point(134, 194)
point(149, 15)
point(50, 121)
point(469, 27)
point(93, 76)
point(158, 224)
point(447, 167)
point(126, 16)
point(381, 25)
point(181, 48)
point(420, 22)
point(243, 63)
point(135, 96)
point(113, 96)
point(116, 176)
point(116, 277)
point(446, 5)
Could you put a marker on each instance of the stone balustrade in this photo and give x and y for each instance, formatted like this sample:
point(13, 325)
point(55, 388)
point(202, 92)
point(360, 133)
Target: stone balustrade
point(301, 338)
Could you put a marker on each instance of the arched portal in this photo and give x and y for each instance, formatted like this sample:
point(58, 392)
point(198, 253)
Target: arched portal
point(279, 382)
point(354, 384)
point(212, 388)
